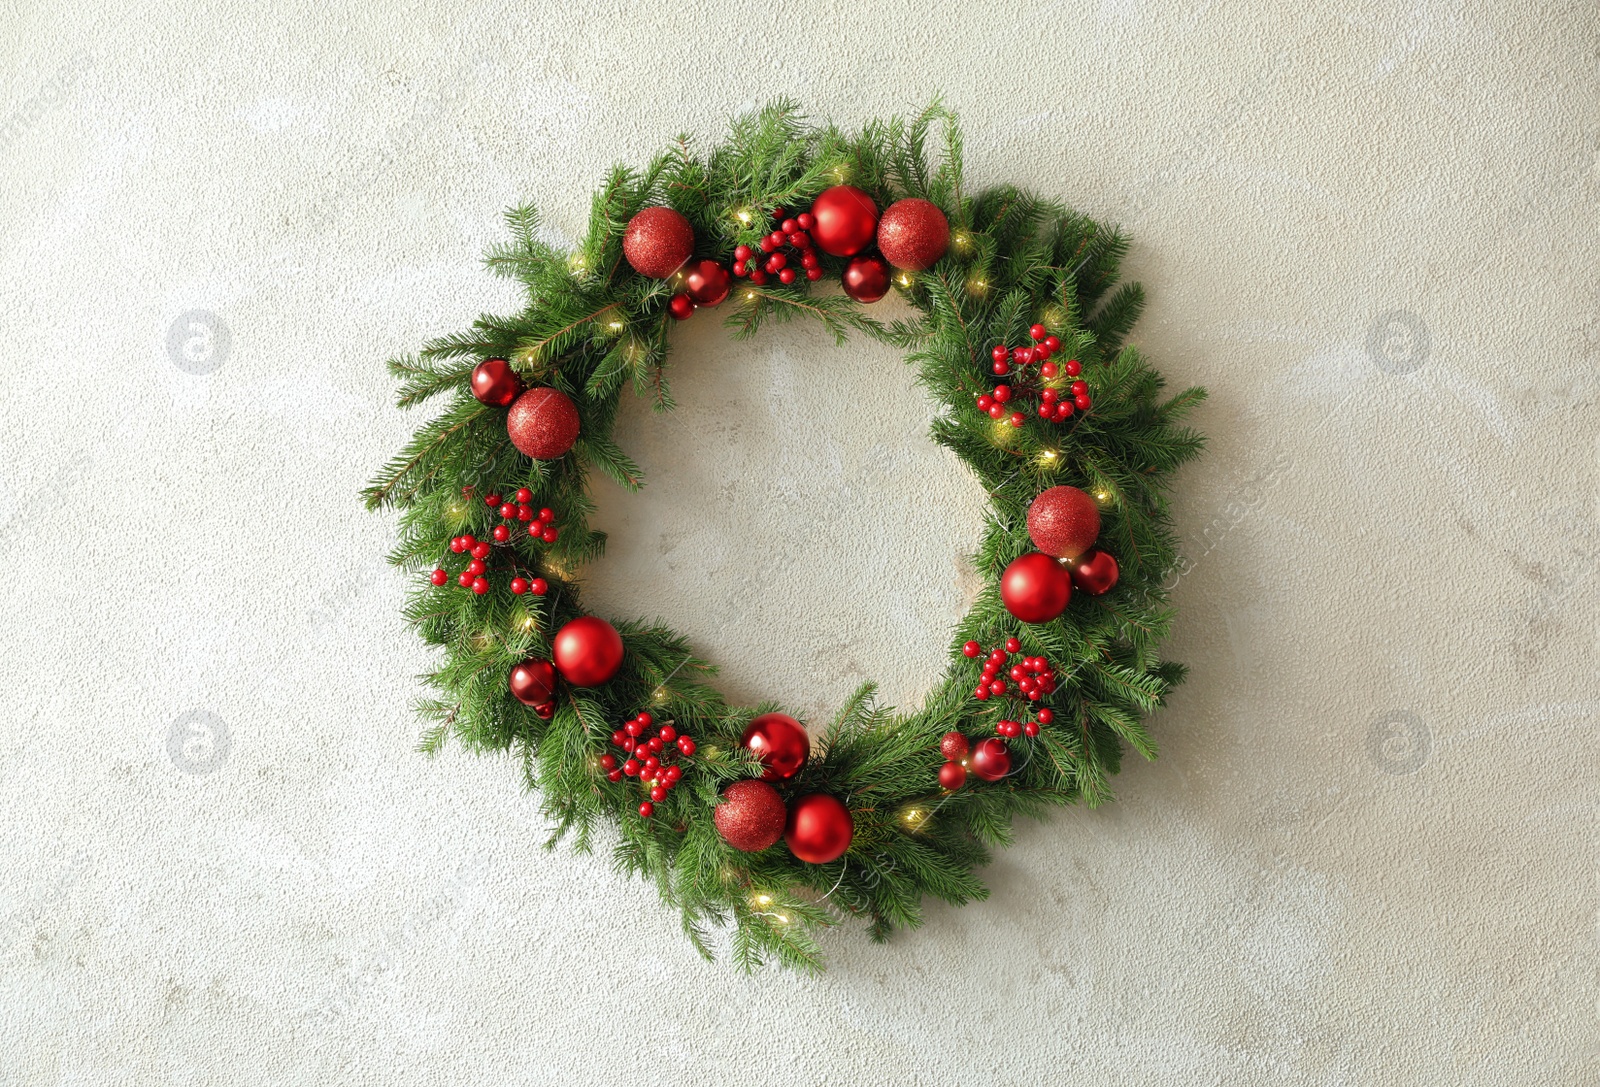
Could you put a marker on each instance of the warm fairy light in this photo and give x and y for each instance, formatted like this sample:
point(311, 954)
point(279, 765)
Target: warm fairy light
point(633, 351)
point(457, 509)
point(915, 817)
point(1002, 433)
point(961, 240)
point(615, 326)
point(1048, 454)
point(749, 296)
point(743, 215)
point(1102, 496)
point(659, 695)
point(762, 901)
point(527, 623)
point(977, 286)
point(905, 279)
point(780, 918)
point(577, 263)
point(839, 173)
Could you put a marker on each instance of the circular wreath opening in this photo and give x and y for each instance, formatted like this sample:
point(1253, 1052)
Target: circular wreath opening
point(746, 816)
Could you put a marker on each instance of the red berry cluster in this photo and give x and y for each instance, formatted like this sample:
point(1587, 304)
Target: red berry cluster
point(1051, 404)
point(791, 234)
point(540, 527)
point(1034, 677)
point(650, 759)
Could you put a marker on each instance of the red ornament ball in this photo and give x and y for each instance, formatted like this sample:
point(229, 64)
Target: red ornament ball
point(1095, 571)
point(533, 682)
point(588, 651)
point(657, 242)
point(952, 775)
point(681, 306)
point(866, 279)
point(1064, 522)
point(780, 742)
point(913, 234)
point(953, 746)
point(1035, 588)
point(751, 816)
point(543, 423)
point(845, 218)
point(495, 383)
point(819, 829)
point(991, 759)
point(708, 282)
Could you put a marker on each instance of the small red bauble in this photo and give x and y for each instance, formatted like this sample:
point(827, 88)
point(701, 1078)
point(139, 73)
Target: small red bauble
point(991, 760)
point(588, 651)
point(657, 242)
point(681, 306)
point(866, 279)
point(780, 742)
point(1064, 522)
point(913, 234)
point(1035, 588)
point(845, 220)
point(953, 746)
point(1095, 571)
point(495, 383)
point(543, 423)
point(533, 681)
point(708, 282)
point(952, 775)
point(819, 829)
point(751, 815)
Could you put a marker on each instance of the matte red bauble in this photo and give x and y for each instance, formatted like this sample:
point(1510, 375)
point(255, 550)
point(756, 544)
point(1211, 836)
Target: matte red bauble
point(588, 651)
point(845, 220)
point(533, 681)
point(1063, 522)
point(866, 279)
point(495, 383)
point(820, 828)
point(543, 423)
point(990, 759)
point(913, 234)
point(1095, 571)
point(750, 816)
point(952, 775)
point(657, 242)
point(780, 742)
point(1035, 588)
point(707, 282)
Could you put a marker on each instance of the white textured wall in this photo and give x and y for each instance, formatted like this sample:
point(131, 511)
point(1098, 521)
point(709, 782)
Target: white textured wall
point(1368, 852)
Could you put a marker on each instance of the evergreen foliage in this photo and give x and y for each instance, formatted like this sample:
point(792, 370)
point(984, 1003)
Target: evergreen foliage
point(592, 327)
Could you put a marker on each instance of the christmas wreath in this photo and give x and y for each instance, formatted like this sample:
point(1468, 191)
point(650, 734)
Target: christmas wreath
point(744, 815)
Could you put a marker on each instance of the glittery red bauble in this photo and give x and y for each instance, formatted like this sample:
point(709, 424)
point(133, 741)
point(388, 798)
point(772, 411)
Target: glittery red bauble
point(866, 279)
point(1035, 588)
point(543, 423)
point(657, 242)
point(1063, 522)
point(845, 219)
point(495, 383)
point(913, 234)
point(1095, 571)
point(707, 282)
point(780, 742)
point(533, 681)
point(751, 816)
point(820, 828)
point(953, 746)
point(952, 775)
point(990, 759)
point(588, 651)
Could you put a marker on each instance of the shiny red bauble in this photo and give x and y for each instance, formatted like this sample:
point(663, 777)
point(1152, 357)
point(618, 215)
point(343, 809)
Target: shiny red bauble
point(1035, 588)
point(707, 282)
point(845, 219)
point(1095, 572)
point(819, 829)
point(780, 742)
point(495, 383)
point(681, 306)
point(913, 234)
point(543, 423)
point(952, 775)
point(588, 651)
point(751, 816)
point(866, 279)
point(953, 746)
point(657, 242)
point(991, 760)
point(533, 681)
point(1064, 522)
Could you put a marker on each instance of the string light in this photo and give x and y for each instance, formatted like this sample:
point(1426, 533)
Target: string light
point(577, 264)
point(905, 279)
point(743, 215)
point(961, 240)
point(659, 695)
point(615, 326)
point(1048, 458)
point(1102, 496)
point(914, 818)
point(749, 296)
point(977, 286)
point(761, 901)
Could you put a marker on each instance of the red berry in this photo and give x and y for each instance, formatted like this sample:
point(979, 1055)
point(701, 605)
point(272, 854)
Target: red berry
point(547, 514)
point(609, 762)
point(615, 775)
point(768, 245)
point(481, 549)
point(758, 277)
point(805, 221)
point(633, 728)
point(464, 579)
point(668, 733)
point(982, 693)
point(739, 268)
point(502, 533)
point(1079, 388)
point(469, 540)
point(786, 276)
point(1044, 411)
point(519, 585)
point(645, 720)
point(997, 687)
point(647, 809)
point(1063, 411)
point(1083, 402)
point(1013, 646)
point(524, 513)
point(1031, 728)
point(1017, 418)
point(550, 534)
point(809, 260)
point(631, 767)
point(674, 773)
point(1074, 367)
point(985, 402)
point(656, 744)
point(777, 261)
point(480, 586)
point(439, 577)
point(658, 794)
point(776, 237)
point(618, 736)
point(999, 352)
point(813, 274)
point(652, 763)
point(1022, 356)
point(492, 500)
point(1046, 716)
point(507, 511)
point(686, 745)
point(1053, 342)
point(1001, 369)
point(798, 240)
point(997, 411)
point(1037, 332)
point(539, 586)
point(742, 252)
point(972, 649)
point(788, 226)
point(458, 545)
point(1002, 393)
point(475, 567)
point(630, 745)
